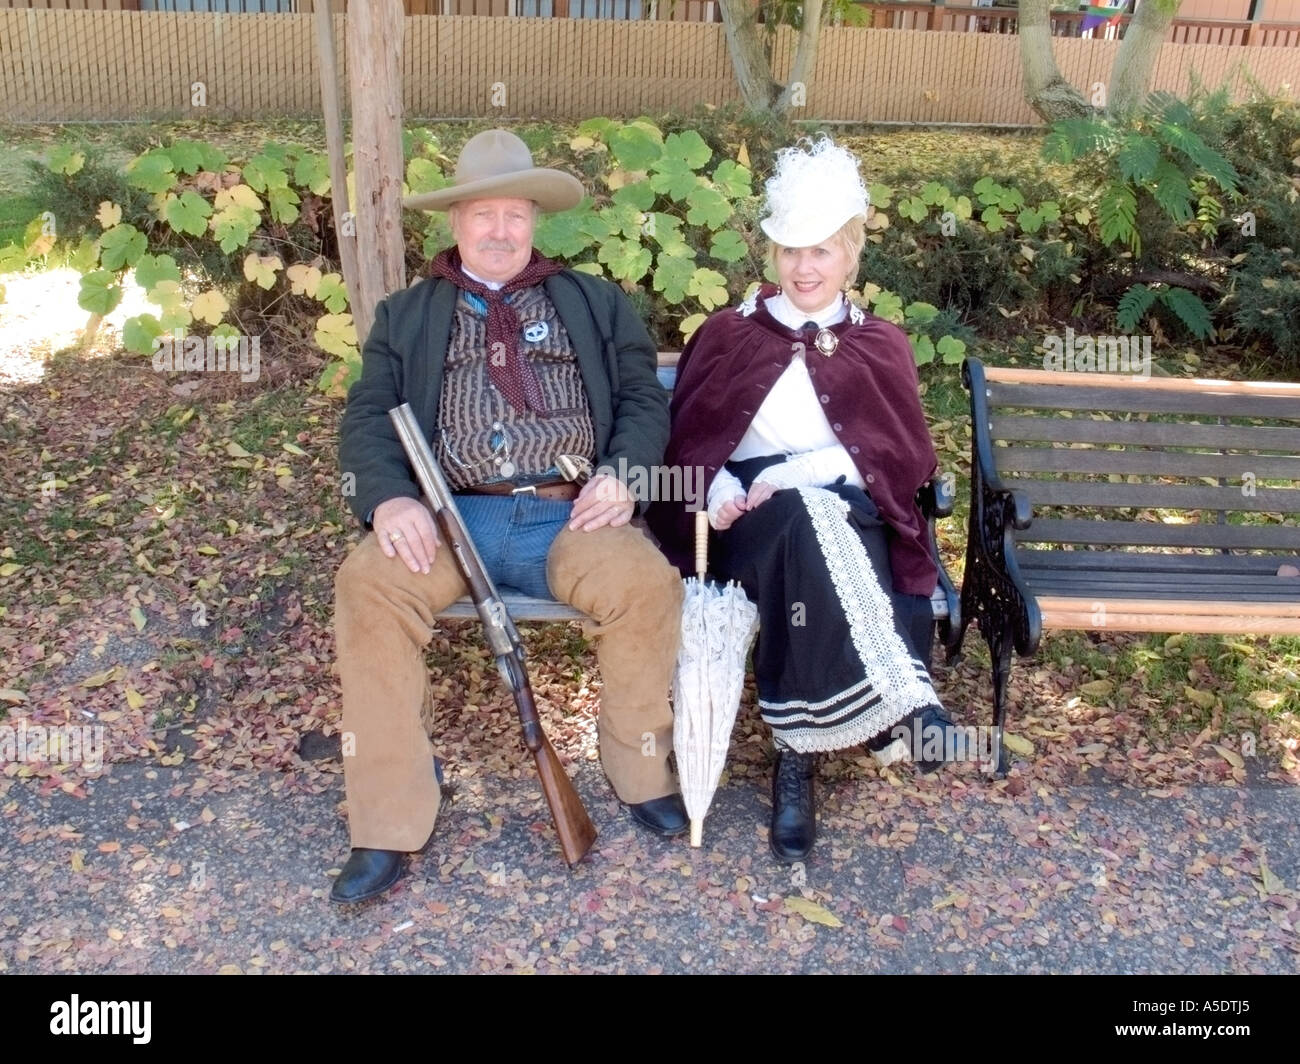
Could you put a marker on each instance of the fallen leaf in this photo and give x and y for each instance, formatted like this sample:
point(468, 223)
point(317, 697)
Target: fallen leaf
point(8, 694)
point(1017, 745)
point(1231, 756)
point(1098, 688)
point(812, 912)
point(138, 618)
point(101, 678)
point(1204, 699)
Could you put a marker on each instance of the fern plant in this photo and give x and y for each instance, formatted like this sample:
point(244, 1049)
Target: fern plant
point(1154, 159)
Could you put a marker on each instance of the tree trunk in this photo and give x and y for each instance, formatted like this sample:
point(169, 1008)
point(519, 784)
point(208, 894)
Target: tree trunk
point(344, 229)
point(745, 45)
point(805, 59)
point(1138, 52)
point(1046, 91)
point(374, 36)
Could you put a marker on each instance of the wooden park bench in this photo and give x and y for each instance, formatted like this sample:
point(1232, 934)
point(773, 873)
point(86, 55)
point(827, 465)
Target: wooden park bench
point(936, 499)
point(1108, 502)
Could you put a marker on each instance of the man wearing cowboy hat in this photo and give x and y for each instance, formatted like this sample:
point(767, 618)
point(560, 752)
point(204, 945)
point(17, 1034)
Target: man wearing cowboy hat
point(509, 361)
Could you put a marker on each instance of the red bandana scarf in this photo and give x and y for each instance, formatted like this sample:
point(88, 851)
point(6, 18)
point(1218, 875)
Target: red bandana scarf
point(507, 366)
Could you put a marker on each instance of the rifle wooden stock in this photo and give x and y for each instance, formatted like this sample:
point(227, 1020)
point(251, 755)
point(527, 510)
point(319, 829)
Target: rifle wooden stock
point(572, 824)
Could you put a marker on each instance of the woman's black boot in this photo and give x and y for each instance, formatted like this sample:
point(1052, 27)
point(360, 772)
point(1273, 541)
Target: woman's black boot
point(794, 818)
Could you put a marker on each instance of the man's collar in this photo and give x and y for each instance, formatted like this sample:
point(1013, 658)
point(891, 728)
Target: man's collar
point(495, 286)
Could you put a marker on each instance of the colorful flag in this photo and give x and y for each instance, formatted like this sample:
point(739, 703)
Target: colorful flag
point(1102, 14)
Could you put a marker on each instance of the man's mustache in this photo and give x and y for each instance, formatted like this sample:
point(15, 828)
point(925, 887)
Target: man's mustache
point(498, 245)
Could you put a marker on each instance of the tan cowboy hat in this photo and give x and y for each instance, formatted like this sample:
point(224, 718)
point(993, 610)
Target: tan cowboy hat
point(498, 163)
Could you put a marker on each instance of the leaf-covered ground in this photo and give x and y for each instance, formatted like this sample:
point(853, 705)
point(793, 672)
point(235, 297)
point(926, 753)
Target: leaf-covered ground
point(168, 557)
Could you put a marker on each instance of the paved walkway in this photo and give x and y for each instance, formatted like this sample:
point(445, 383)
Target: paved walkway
point(230, 871)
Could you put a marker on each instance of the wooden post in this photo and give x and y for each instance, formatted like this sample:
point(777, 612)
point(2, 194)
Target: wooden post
point(935, 21)
point(374, 42)
point(1255, 14)
point(345, 229)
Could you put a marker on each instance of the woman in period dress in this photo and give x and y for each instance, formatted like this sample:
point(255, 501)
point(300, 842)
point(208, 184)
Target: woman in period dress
point(804, 414)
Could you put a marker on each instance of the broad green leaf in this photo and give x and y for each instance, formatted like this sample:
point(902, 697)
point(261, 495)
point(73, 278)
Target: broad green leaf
point(627, 261)
point(624, 219)
point(332, 292)
point(886, 304)
point(922, 348)
point(733, 180)
point(638, 195)
point(708, 207)
point(100, 292)
point(151, 269)
point(634, 146)
point(1029, 220)
point(689, 147)
point(561, 235)
point(284, 205)
point(934, 193)
point(233, 227)
point(151, 172)
point(121, 246)
point(994, 220)
point(64, 159)
point(83, 259)
point(312, 171)
point(596, 127)
point(174, 311)
point(337, 334)
point(187, 213)
point(263, 172)
point(919, 313)
point(139, 333)
point(186, 156)
point(912, 209)
point(666, 231)
point(951, 350)
point(709, 287)
point(424, 175)
point(673, 275)
point(690, 324)
point(728, 246)
point(1049, 211)
point(881, 195)
point(673, 178)
point(12, 258)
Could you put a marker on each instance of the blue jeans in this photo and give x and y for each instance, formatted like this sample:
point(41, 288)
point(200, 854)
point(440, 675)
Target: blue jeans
point(513, 534)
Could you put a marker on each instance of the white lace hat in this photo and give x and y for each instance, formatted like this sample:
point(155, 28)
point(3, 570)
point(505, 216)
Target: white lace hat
point(814, 190)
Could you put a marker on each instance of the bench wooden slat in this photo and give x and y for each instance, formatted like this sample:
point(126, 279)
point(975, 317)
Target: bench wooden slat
point(1120, 382)
point(1146, 401)
point(1151, 463)
point(1155, 496)
point(524, 608)
point(1145, 433)
point(1062, 614)
point(1156, 534)
point(1220, 589)
point(1191, 565)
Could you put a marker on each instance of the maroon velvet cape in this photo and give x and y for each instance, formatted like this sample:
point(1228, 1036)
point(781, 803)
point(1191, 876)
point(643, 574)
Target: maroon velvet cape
point(868, 390)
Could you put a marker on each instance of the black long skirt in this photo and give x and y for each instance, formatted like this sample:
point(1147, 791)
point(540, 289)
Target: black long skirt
point(840, 656)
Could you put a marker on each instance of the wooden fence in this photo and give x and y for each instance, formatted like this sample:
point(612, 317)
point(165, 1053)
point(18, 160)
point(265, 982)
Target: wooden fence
point(84, 65)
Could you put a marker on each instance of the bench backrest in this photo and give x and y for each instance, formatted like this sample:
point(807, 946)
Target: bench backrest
point(1163, 462)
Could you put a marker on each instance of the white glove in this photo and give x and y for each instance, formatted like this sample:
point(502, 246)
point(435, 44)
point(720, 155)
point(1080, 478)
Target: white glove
point(725, 487)
point(812, 469)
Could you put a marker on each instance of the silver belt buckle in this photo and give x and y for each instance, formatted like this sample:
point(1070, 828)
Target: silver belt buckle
point(525, 488)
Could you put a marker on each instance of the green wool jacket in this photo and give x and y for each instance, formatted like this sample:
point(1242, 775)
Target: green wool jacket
point(402, 361)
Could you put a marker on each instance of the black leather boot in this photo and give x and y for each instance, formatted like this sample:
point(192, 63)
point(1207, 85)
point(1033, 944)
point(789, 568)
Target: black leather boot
point(367, 874)
point(794, 817)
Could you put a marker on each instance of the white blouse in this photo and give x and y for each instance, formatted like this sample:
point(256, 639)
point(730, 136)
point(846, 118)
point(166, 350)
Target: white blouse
point(791, 421)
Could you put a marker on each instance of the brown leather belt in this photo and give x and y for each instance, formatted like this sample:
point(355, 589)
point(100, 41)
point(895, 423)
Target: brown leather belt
point(551, 490)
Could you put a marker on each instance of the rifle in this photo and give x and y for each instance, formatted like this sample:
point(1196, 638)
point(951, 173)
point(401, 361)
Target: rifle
point(572, 823)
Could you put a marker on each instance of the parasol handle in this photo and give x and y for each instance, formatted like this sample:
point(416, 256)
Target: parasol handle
point(701, 546)
point(697, 831)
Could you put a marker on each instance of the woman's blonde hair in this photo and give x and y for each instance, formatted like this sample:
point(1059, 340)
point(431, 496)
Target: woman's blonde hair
point(851, 236)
